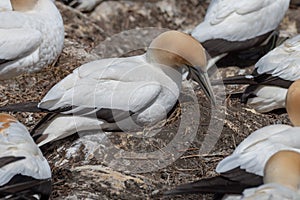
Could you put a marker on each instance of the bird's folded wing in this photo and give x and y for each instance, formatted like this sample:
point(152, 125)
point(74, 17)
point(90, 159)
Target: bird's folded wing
point(102, 94)
point(9, 159)
point(260, 135)
point(28, 164)
point(4, 171)
point(283, 61)
point(245, 156)
point(269, 191)
point(24, 187)
point(253, 156)
point(18, 43)
point(219, 10)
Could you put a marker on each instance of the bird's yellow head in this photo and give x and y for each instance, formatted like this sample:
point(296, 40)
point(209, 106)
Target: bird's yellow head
point(23, 5)
point(176, 49)
point(179, 50)
point(5, 121)
point(292, 101)
point(283, 168)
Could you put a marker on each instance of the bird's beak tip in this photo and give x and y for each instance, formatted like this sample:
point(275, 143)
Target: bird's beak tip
point(204, 82)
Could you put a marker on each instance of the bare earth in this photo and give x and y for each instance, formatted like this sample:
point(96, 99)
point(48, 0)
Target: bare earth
point(82, 167)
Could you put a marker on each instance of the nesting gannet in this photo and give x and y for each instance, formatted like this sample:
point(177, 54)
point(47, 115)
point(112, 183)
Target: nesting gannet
point(31, 36)
point(281, 179)
point(24, 172)
point(244, 168)
point(123, 93)
point(236, 25)
point(83, 5)
point(272, 76)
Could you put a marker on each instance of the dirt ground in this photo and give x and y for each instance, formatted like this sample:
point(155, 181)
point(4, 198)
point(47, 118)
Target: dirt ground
point(81, 166)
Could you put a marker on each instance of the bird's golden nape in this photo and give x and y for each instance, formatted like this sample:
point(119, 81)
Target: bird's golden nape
point(292, 103)
point(180, 50)
point(6, 118)
point(283, 168)
point(174, 48)
point(23, 5)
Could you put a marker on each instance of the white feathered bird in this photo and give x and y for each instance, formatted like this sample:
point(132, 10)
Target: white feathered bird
point(122, 93)
point(273, 74)
point(31, 36)
point(281, 179)
point(236, 25)
point(24, 172)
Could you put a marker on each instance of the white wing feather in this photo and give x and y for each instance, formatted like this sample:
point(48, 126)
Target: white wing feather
point(268, 98)
point(270, 191)
point(18, 43)
point(16, 141)
point(256, 149)
point(283, 61)
point(239, 20)
point(106, 83)
point(64, 125)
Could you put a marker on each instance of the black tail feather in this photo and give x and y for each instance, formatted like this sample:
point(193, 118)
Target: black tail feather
point(37, 131)
point(218, 184)
point(9, 159)
point(24, 187)
point(243, 79)
point(22, 107)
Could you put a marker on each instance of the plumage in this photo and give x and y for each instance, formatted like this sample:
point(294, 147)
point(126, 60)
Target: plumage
point(36, 29)
point(83, 5)
point(272, 76)
point(246, 166)
point(24, 171)
point(123, 93)
point(5, 5)
point(281, 179)
point(267, 192)
point(230, 19)
point(263, 142)
point(237, 25)
point(233, 182)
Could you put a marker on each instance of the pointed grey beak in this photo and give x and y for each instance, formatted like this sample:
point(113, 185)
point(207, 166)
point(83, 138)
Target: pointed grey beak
point(202, 79)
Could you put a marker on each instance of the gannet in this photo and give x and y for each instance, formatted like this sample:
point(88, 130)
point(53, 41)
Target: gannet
point(236, 25)
point(244, 168)
point(272, 76)
point(122, 93)
point(281, 179)
point(31, 36)
point(24, 172)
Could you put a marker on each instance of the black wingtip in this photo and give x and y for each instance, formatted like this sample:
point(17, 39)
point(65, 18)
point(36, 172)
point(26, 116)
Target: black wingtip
point(10, 159)
point(214, 185)
point(21, 107)
point(241, 79)
point(25, 187)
